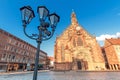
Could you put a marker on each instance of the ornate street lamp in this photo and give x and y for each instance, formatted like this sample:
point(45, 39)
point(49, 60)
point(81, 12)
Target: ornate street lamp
point(45, 31)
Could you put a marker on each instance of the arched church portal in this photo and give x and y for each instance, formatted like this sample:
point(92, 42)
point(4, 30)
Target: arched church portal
point(82, 65)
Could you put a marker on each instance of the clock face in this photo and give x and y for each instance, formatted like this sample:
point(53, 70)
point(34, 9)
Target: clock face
point(78, 28)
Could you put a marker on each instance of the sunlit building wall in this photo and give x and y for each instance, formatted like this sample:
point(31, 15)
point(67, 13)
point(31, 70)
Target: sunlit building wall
point(76, 49)
point(16, 53)
point(112, 50)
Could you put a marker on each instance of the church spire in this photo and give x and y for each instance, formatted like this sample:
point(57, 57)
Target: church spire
point(73, 18)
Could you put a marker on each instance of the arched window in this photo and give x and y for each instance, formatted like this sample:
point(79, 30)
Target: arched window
point(74, 43)
point(62, 52)
point(79, 42)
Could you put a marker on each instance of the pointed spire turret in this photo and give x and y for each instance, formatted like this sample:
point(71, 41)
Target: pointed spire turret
point(73, 18)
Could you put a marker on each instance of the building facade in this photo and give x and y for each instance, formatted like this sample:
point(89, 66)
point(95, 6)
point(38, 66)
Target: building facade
point(17, 54)
point(112, 51)
point(50, 62)
point(76, 49)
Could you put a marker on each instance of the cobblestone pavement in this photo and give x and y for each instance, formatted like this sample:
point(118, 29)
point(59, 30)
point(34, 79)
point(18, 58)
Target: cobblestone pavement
point(69, 75)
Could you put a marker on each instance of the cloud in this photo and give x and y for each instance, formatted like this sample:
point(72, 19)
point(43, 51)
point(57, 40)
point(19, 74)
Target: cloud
point(108, 36)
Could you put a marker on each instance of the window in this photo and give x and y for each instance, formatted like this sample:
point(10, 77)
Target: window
point(4, 55)
point(25, 53)
point(9, 56)
point(79, 42)
point(10, 40)
point(62, 52)
point(74, 43)
point(13, 57)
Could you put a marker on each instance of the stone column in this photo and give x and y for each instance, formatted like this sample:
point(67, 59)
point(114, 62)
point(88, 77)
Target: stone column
point(116, 66)
point(113, 67)
point(110, 66)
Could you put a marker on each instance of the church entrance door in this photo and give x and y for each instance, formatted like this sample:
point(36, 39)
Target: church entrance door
point(82, 65)
point(79, 65)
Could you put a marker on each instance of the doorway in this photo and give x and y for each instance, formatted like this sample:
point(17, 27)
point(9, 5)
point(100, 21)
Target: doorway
point(79, 65)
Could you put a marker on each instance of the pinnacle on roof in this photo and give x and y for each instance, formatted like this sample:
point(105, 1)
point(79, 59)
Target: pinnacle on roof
point(73, 18)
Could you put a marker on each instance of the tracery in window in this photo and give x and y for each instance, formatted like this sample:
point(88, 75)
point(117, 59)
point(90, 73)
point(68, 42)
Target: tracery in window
point(74, 43)
point(79, 42)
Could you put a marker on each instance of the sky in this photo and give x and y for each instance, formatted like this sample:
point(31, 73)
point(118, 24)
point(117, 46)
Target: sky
point(100, 18)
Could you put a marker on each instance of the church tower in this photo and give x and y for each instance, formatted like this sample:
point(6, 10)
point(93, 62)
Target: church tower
point(76, 49)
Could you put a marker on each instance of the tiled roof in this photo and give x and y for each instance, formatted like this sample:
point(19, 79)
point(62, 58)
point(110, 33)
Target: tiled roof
point(51, 58)
point(114, 41)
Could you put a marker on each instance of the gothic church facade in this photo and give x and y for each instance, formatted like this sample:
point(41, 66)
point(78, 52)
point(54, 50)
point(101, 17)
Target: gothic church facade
point(76, 49)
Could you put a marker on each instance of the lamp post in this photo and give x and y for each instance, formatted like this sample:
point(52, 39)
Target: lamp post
point(46, 28)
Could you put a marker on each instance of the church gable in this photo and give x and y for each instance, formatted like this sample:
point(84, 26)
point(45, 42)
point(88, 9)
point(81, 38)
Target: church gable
point(75, 43)
point(75, 30)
